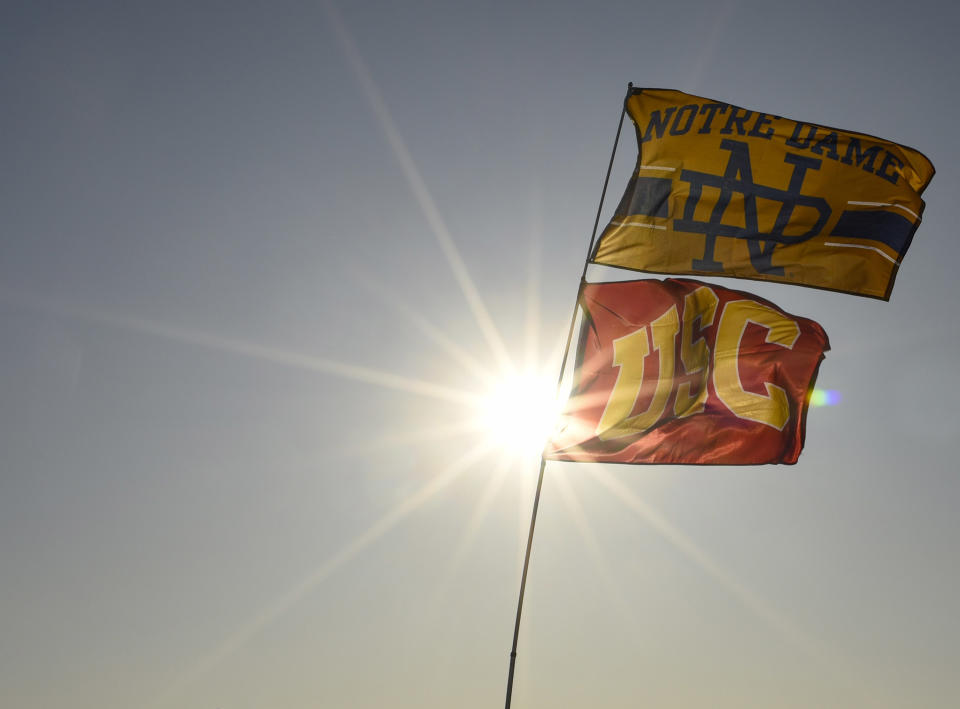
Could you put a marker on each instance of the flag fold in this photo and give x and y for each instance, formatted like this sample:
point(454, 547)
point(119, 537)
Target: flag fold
point(723, 190)
point(682, 372)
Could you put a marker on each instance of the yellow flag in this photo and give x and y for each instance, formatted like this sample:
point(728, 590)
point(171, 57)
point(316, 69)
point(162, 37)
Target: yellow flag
point(722, 190)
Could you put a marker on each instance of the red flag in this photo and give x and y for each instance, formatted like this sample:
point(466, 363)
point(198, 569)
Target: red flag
point(679, 371)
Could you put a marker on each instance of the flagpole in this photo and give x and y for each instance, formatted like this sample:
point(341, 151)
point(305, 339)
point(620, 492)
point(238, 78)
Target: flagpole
point(563, 364)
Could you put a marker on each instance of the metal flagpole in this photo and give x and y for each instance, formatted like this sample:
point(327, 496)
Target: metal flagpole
point(563, 364)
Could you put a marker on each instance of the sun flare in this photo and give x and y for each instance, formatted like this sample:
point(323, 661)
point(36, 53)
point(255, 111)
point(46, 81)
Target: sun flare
point(520, 410)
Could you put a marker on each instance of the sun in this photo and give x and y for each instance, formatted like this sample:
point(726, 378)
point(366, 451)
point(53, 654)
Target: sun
point(519, 411)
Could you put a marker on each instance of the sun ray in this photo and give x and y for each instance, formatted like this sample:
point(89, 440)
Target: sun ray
point(348, 552)
point(714, 26)
point(424, 434)
point(532, 328)
point(252, 350)
point(481, 507)
point(842, 667)
point(694, 553)
point(580, 521)
point(432, 332)
point(419, 188)
point(312, 363)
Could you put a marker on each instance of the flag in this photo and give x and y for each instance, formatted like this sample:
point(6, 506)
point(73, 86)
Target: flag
point(723, 190)
point(679, 371)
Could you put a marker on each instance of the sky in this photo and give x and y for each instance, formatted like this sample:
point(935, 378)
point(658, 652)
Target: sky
point(257, 259)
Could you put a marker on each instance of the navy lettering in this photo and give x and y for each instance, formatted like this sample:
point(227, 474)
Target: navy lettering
point(710, 109)
point(829, 142)
point(762, 120)
point(890, 160)
point(858, 157)
point(658, 124)
point(675, 129)
point(736, 117)
point(737, 179)
point(794, 140)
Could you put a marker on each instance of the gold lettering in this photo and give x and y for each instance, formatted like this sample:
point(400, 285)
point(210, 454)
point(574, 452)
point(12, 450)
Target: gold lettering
point(629, 354)
point(773, 409)
point(694, 354)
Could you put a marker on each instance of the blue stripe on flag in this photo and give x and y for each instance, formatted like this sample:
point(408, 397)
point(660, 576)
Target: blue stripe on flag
point(886, 227)
point(647, 196)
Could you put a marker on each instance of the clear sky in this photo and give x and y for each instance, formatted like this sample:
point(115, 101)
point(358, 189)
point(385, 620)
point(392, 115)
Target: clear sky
point(254, 254)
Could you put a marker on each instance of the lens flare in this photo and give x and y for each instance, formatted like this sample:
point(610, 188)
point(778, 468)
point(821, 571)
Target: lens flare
point(825, 397)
